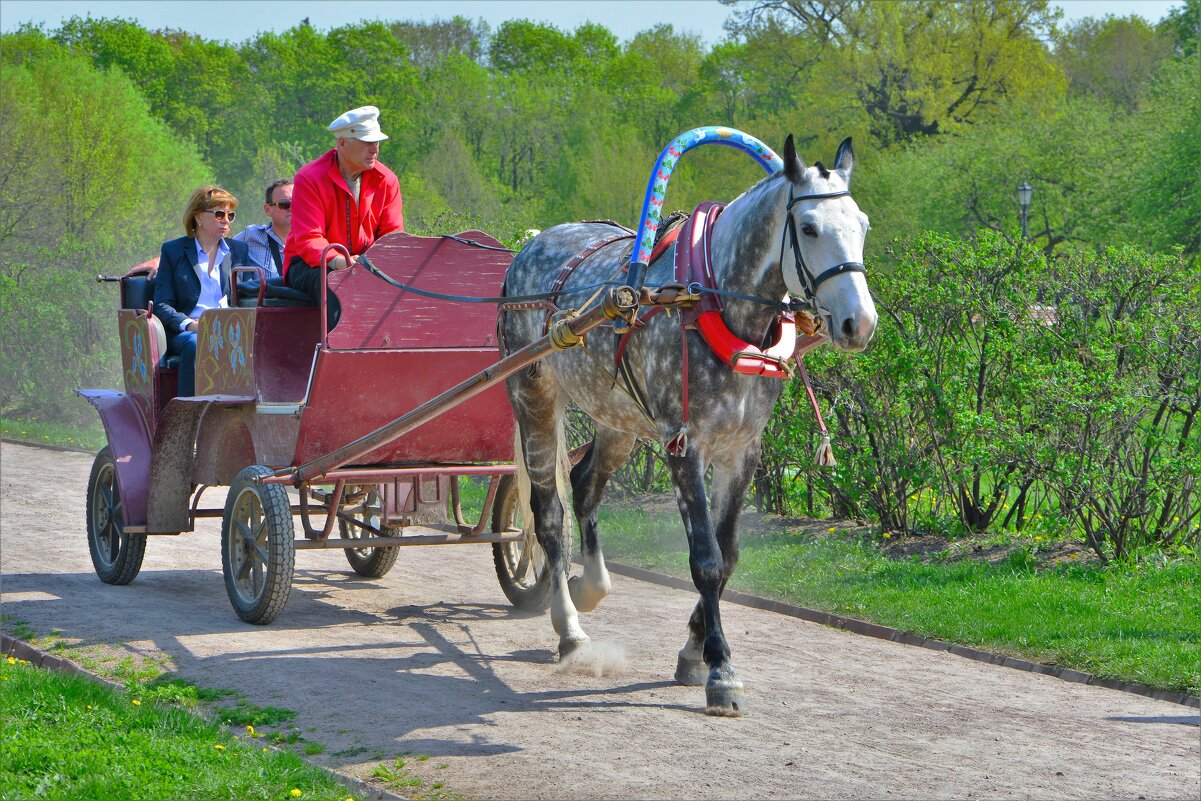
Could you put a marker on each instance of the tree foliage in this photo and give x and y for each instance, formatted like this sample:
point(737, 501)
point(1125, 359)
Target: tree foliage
point(951, 105)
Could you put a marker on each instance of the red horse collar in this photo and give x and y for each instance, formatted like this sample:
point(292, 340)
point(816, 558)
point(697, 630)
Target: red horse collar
point(694, 265)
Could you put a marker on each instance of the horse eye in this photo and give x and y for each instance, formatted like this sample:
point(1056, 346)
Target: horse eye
point(808, 230)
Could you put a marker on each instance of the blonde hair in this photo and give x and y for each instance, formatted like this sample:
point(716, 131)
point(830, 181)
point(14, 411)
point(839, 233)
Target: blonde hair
point(203, 199)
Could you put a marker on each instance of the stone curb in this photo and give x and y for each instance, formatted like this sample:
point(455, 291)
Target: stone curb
point(885, 633)
point(11, 646)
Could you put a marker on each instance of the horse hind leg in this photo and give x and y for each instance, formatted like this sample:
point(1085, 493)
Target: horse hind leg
point(540, 424)
point(609, 451)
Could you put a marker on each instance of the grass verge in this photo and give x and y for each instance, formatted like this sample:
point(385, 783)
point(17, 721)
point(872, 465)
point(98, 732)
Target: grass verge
point(68, 737)
point(38, 432)
point(1132, 622)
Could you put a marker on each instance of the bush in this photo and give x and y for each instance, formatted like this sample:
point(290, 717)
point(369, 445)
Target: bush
point(999, 384)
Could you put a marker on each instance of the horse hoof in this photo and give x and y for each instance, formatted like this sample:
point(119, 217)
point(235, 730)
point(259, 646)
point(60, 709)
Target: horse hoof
point(568, 648)
point(691, 672)
point(725, 699)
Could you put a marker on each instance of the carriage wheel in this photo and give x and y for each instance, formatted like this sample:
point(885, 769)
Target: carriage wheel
point(369, 562)
point(257, 549)
point(521, 566)
point(117, 556)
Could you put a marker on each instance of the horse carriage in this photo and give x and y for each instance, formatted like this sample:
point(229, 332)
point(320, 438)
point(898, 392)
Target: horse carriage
point(367, 429)
point(280, 401)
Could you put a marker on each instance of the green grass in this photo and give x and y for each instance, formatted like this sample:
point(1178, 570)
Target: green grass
point(1132, 622)
point(399, 777)
point(67, 737)
point(89, 438)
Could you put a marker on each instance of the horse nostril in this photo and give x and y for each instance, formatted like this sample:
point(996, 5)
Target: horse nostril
point(848, 327)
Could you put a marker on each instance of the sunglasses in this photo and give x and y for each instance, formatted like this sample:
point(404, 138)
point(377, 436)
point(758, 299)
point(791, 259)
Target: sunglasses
point(221, 214)
point(283, 205)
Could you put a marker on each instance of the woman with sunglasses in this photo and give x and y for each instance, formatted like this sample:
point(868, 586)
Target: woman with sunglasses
point(193, 275)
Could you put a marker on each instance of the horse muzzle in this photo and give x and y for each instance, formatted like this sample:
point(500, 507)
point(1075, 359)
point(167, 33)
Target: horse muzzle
point(851, 331)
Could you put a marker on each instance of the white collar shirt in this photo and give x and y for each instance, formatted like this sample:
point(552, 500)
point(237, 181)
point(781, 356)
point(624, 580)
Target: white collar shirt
point(211, 296)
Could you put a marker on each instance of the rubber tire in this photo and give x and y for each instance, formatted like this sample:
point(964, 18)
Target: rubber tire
point(376, 562)
point(527, 596)
point(123, 567)
point(271, 501)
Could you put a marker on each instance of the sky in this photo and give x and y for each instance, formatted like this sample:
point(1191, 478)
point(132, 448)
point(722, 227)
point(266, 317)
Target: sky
point(238, 20)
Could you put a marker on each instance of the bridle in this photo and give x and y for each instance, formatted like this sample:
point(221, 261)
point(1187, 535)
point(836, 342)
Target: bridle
point(807, 279)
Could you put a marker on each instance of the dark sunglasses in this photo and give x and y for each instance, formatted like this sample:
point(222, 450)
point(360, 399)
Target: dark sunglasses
point(283, 205)
point(220, 214)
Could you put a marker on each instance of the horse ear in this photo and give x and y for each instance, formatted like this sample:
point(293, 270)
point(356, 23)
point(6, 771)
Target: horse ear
point(794, 168)
point(845, 160)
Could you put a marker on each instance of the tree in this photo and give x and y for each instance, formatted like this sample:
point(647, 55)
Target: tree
point(523, 46)
point(1166, 203)
point(429, 42)
point(1183, 26)
point(1112, 58)
point(918, 68)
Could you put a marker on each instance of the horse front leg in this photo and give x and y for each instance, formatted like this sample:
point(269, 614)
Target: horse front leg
point(730, 481)
point(609, 451)
point(724, 693)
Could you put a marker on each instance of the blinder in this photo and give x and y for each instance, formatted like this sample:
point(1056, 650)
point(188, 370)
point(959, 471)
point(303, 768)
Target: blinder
point(808, 280)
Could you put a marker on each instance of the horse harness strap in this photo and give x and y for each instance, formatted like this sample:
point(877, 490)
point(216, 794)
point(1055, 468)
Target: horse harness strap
point(567, 269)
point(812, 282)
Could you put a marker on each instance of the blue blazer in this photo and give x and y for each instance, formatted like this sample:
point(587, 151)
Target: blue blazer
point(176, 285)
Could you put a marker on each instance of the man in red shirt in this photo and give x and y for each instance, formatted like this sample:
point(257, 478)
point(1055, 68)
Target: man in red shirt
point(345, 197)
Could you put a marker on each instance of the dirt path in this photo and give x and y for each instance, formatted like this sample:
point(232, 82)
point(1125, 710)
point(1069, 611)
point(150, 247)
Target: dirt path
point(431, 660)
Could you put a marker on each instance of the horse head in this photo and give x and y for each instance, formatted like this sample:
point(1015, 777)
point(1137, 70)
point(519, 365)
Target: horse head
point(824, 232)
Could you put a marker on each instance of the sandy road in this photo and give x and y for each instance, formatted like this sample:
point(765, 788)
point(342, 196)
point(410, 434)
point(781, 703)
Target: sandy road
point(432, 660)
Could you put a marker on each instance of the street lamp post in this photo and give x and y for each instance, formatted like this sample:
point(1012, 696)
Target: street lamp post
point(1025, 191)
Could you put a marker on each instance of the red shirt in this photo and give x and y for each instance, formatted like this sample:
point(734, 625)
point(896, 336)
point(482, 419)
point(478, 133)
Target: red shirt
point(324, 211)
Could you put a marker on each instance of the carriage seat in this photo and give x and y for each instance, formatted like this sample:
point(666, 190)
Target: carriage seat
point(276, 294)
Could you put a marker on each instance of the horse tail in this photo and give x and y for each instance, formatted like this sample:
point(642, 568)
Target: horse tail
point(562, 484)
point(523, 480)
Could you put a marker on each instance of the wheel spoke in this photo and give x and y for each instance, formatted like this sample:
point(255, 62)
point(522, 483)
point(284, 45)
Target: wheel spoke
point(112, 537)
point(246, 537)
point(241, 565)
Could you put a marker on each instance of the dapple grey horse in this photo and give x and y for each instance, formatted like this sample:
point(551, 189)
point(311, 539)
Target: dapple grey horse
point(797, 231)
